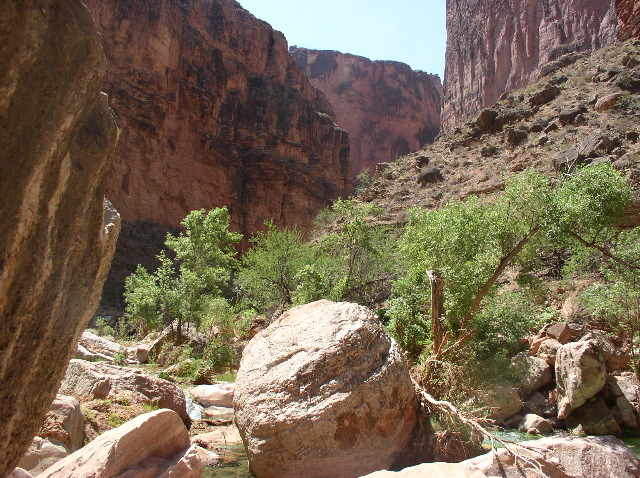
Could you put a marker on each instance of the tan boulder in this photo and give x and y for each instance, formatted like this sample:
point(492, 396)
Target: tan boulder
point(607, 102)
point(151, 445)
point(431, 470)
point(57, 136)
point(324, 391)
point(216, 395)
point(548, 350)
point(536, 373)
point(560, 332)
point(580, 374)
point(100, 346)
point(562, 457)
point(20, 473)
point(42, 453)
point(504, 402)
point(87, 381)
point(218, 438)
point(535, 425)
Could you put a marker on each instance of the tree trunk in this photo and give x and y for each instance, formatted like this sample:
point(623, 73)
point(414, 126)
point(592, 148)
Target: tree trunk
point(437, 309)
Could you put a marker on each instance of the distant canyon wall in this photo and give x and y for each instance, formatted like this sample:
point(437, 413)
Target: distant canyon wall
point(388, 109)
point(497, 45)
point(215, 112)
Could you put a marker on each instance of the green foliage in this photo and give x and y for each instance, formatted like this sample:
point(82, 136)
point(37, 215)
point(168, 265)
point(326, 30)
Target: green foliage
point(183, 289)
point(270, 270)
point(103, 328)
point(364, 180)
point(355, 260)
point(470, 244)
point(120, 357)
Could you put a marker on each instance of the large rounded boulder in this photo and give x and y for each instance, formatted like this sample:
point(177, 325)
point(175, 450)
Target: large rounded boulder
point(324, 392)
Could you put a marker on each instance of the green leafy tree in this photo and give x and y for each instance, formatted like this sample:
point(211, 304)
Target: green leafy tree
point(183, 289)
point(462, 249)
point(270, 272)
point(354, 261)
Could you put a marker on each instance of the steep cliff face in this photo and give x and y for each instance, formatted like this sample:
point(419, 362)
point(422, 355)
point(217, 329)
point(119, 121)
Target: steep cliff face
point(215, 112)
point(497, 45)
point(56, 138)
point(628, 18)
point(388, 109)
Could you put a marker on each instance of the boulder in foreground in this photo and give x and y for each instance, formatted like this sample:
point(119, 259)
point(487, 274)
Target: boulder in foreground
point(151, 445)
point(565, 457)
point(323, 392)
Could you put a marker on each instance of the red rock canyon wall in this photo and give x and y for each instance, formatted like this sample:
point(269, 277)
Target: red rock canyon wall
point(388, 109)
point(215, 112)
point(497, 45)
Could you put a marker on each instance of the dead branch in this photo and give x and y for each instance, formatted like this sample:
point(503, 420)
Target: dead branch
point(447, 408)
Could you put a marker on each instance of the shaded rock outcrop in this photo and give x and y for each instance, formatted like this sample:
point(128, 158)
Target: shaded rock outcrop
point(323, 391)
point(499, 45)
point(62, 433)
point(57, 135)
point(388, 109)
point(153, 444)
point(215, 112)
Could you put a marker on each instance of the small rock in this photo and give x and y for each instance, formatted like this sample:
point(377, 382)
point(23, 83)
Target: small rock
point(488, 150)
point(552, 127)
point(535, 425)
point(216, 395)
point(607, 102)
point(544, 96)
point(569, 115)
point(538, 126)
point(542, 140)
point(560, 332)
point(548, 350)
point(430, 174)
point(514, 137)
point(221, 414)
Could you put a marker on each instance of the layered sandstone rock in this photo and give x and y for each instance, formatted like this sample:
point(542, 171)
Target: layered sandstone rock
point(498, 45)
point(323, 391)
point(56, 138)
point(388, 109)
point(215, 112)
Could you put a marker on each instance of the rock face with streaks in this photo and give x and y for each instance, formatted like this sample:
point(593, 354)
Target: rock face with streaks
point(57, 135)
point(628, 18)
point(498, 45)
point(215, 112)
point(388, 109)
point(323, 391)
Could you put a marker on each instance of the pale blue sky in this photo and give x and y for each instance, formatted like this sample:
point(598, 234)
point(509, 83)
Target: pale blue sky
point(410, 31)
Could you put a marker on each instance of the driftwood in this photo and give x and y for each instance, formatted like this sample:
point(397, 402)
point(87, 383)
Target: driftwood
point(448, 409)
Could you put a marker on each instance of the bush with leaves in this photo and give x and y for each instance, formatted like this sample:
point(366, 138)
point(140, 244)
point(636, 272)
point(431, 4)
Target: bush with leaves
point(270, 272)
